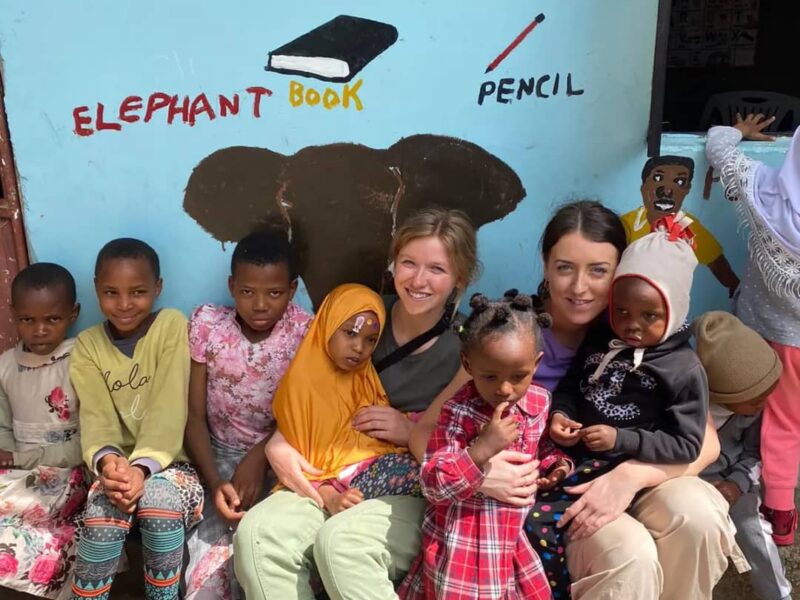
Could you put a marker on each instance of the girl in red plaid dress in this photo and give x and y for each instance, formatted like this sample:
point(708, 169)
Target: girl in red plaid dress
point(474, 546)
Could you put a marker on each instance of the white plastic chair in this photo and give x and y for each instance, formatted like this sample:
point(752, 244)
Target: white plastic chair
point(721, 109)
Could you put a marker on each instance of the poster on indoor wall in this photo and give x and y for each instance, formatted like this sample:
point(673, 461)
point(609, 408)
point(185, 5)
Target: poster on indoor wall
point(708, 33)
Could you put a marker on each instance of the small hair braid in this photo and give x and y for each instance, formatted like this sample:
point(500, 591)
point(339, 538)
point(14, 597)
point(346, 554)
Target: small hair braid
point(524, 302)
point(478, 303)
point(543, 318)
point(521, 302)
point(501, 315)
point(515, 312)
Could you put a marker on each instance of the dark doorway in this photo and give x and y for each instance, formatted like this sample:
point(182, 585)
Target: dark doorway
point(728, 56)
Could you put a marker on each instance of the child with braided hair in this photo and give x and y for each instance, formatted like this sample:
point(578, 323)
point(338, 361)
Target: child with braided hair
point(474, 546)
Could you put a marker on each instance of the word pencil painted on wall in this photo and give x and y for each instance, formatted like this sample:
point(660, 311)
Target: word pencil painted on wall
point(173, 108)
point(545, 86)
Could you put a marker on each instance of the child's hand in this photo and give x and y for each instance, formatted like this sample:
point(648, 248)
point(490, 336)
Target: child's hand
point(729, 490)
point(248, 478)
point(752, 127)
point(130, 499)
point(499, 433)
point(6, 459)
point(564, 431)
point(114, 476)
point(599, 438)
point(336, 502)
point(227, 502)
point(556, 475)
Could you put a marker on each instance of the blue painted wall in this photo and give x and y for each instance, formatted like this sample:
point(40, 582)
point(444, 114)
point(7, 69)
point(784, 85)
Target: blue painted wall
point(79, 192)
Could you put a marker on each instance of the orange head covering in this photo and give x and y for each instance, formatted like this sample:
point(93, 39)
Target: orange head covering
point(316, 401)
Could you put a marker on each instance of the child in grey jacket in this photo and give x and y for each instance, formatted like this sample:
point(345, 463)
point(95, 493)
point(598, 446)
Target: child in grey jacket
point(742, 370)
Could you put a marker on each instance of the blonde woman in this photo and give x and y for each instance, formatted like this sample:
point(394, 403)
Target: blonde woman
point(361, 550)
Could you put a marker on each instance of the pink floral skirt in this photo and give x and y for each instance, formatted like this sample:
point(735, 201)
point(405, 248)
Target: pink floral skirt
point(39, 512)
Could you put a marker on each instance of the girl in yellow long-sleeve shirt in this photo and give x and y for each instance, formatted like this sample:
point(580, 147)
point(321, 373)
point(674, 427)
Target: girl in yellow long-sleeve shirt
point(131, 375)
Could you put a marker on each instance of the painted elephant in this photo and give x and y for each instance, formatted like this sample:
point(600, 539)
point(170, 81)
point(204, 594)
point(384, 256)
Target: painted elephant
point(342, 202)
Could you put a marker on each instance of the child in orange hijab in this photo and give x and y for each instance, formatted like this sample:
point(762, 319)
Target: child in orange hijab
point(330, 379)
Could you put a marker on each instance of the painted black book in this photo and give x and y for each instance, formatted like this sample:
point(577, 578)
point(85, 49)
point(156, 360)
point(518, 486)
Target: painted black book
point(334, 51)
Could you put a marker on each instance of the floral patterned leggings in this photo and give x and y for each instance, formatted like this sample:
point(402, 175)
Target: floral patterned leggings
point(172, 502)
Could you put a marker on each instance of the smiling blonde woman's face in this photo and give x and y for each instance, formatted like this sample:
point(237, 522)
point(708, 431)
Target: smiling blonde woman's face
point(424, 276)
point(579, 274)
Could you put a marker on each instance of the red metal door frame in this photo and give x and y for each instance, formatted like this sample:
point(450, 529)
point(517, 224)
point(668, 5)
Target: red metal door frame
point(14, 249)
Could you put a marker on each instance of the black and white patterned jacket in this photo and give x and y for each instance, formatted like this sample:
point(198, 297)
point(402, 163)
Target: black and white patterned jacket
point(659, 408)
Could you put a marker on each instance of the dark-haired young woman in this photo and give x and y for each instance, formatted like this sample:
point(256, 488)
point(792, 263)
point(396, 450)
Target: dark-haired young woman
point(673, 541)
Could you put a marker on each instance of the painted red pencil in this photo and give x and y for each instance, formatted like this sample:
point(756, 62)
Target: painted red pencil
point(517, 40)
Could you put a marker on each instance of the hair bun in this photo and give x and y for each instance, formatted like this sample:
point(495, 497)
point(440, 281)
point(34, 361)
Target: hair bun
point(522, 302)
point(544, 320)
point(510, 294)
point(501, 315)
point(538, 304)
point(478, 302)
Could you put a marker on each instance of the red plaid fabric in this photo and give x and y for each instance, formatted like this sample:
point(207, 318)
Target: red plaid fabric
point(474, 547)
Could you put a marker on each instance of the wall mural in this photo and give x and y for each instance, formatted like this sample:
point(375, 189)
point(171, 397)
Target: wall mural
point(666, 180)
point(334, 51)
point(508, 89)
point(169, 108)
point(516, 42)
point(467, 108)
point(342, 202)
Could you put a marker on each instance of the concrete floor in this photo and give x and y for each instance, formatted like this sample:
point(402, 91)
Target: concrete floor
point(737, 587)
point(129, 585)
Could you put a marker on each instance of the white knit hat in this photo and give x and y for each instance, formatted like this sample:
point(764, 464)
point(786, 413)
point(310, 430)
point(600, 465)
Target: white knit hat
point(665, 259)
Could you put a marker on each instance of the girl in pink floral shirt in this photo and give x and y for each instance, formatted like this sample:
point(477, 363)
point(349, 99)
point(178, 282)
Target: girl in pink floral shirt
point(239, 356)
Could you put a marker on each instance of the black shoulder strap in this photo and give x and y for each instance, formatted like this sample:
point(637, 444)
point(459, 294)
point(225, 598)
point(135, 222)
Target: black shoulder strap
point(414, 344)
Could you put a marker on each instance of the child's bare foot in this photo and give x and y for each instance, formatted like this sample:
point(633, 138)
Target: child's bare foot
point(336, 502)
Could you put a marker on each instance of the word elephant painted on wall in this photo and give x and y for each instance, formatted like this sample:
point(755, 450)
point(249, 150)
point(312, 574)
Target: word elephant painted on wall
point(342, 202)
point(185, 110)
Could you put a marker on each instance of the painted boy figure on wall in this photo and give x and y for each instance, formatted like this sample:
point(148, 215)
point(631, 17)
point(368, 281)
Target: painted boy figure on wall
point(666, 180)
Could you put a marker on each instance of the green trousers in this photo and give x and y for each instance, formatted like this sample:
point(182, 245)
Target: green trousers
point(358, 553)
